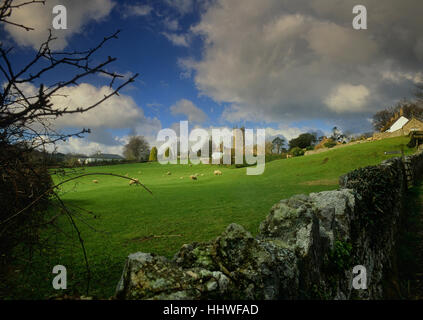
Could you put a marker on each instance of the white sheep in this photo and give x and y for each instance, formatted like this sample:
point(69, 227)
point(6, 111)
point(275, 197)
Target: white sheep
point(217, 172)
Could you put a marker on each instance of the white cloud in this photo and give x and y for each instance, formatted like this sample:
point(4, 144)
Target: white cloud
point(103, 140)
point(39, 17)
point(177, 39)
point(189, 109)
point(137, 10)
point(348, 98)
point(116, 112)
point(149, 129)
point(84, 146)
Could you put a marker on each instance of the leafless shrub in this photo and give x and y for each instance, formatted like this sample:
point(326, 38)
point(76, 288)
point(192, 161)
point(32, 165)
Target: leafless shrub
point(27, 126)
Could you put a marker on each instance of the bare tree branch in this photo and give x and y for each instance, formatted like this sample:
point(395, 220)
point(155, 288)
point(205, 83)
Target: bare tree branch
point(136, 181)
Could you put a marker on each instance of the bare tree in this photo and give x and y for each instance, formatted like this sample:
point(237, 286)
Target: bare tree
point(382, 119)
point(278, 143)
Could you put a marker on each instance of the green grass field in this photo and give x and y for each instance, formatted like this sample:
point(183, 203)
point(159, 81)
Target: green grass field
point(180, 210)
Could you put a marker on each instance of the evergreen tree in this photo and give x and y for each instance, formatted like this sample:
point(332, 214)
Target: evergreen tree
point(153, 154)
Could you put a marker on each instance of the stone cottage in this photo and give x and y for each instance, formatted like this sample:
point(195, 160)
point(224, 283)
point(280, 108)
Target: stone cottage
point(401, 127)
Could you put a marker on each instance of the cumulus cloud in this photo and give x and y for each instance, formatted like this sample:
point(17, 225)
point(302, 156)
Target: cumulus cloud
point(117, 112)
point(189, 109)
point(84, 146)
point(348, 98)
point(284, 61)
point(149, 129)
point(39, 17)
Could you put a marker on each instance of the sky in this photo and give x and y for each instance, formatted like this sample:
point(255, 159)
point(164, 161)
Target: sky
point(288, 66)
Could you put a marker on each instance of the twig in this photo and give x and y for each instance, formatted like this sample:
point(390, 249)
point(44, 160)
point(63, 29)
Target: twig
point(68, 180)
point(81, 241)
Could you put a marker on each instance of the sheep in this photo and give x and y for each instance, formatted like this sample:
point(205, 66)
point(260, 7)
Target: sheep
point(217, 172)
point(95, 181)
point(192, 177)
point(133, 181)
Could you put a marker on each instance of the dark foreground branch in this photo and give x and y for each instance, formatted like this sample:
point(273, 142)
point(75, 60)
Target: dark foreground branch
point(135, 181)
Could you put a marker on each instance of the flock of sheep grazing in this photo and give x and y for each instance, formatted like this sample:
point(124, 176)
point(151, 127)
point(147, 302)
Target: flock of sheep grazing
point(195, 176)
point(192, 177)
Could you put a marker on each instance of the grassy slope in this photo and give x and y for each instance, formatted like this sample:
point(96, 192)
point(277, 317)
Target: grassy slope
point(198, 210)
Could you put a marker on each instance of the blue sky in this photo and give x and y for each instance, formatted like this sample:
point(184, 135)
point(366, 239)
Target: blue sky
point(287, 66)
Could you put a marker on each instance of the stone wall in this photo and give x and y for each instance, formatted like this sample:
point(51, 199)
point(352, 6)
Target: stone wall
point(324, 149)
point(386, 135)
point(305, 248)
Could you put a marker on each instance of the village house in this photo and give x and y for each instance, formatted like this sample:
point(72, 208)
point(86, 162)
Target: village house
point(401, 127)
